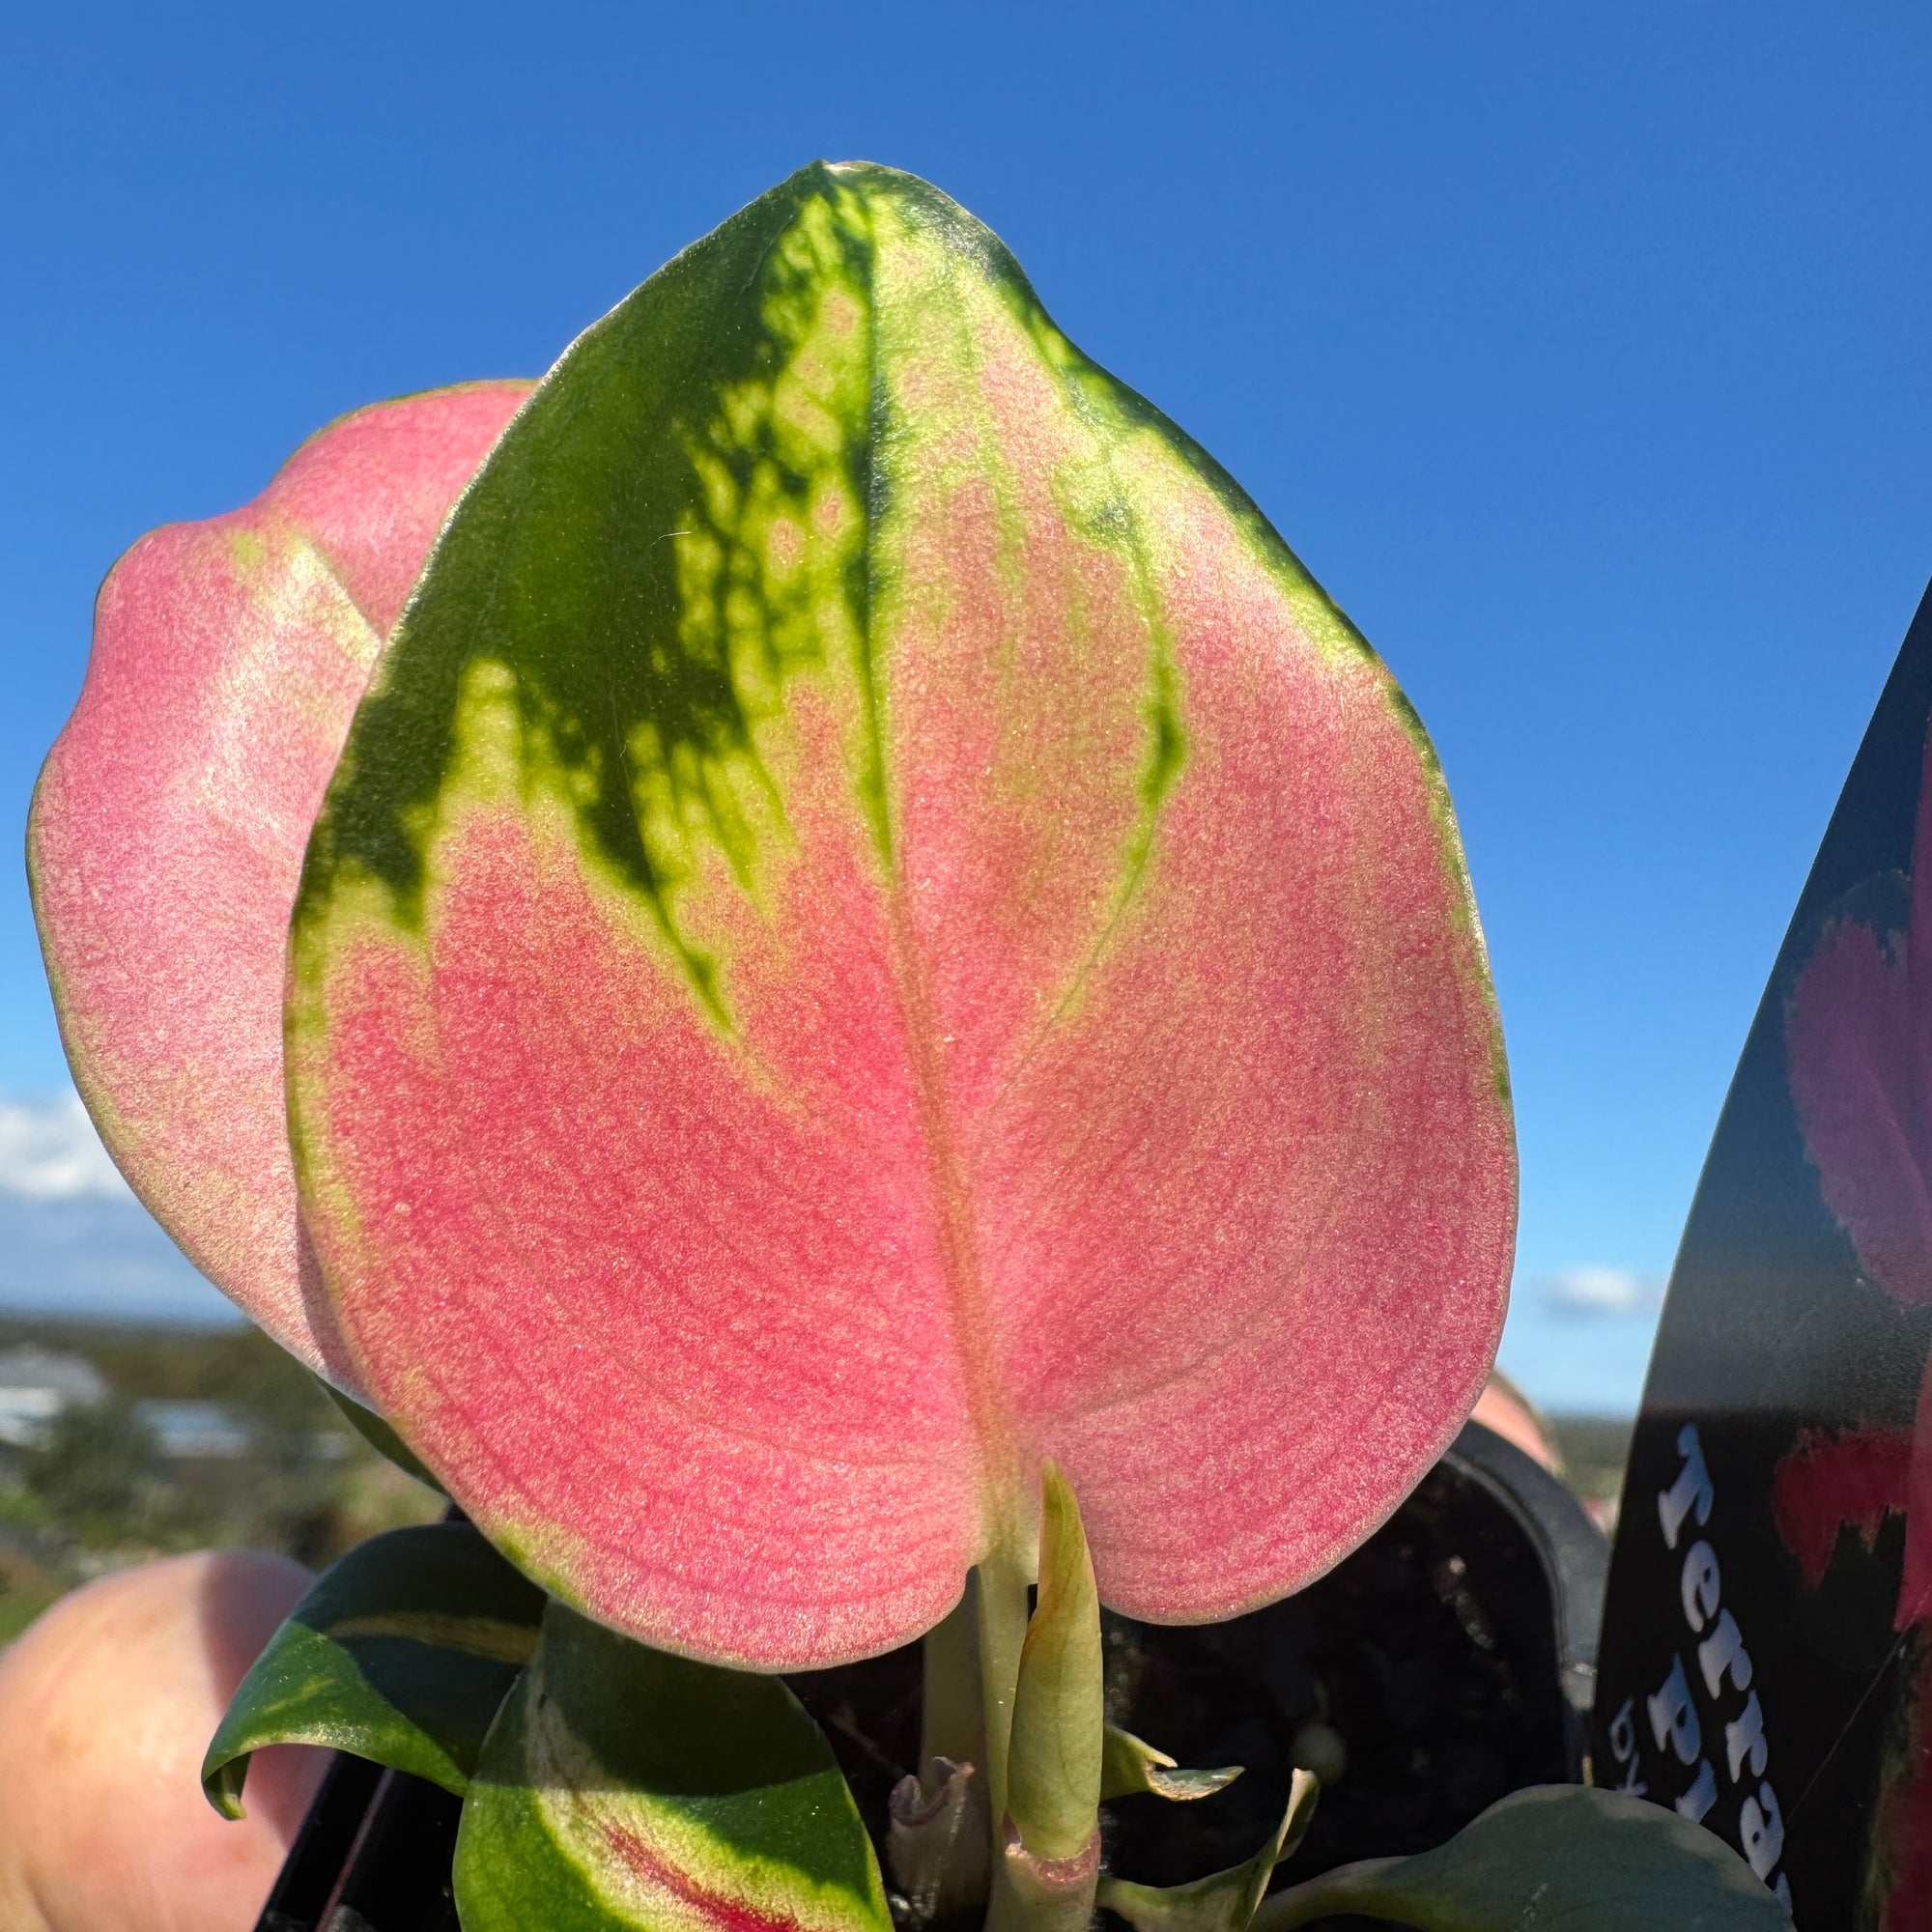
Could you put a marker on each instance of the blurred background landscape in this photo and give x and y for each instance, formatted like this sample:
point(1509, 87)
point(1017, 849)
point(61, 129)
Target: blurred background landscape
point(121, 1441)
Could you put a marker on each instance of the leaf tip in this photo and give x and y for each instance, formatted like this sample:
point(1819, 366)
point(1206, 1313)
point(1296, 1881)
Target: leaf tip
point(221, 1785)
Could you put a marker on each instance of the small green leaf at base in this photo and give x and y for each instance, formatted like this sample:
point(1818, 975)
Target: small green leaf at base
point(401, 1652)
point(1054, 1769)
point(1227, 1901)
point(1561, 1858)
point(622, 1788)
point(1130, 1765)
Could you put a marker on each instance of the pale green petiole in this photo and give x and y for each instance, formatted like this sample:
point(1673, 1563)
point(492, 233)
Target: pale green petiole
point(940, 1842)
point(952, 1714)
point(1015, 1753)
point(1002, 1597)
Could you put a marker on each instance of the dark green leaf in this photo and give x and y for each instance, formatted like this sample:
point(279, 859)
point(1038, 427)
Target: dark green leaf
point(401, 1652)
point(1560, 1857)
point(380, 1437)
point(624, 1787)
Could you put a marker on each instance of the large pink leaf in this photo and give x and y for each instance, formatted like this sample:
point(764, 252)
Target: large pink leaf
point(168, 827)
point(876, 926)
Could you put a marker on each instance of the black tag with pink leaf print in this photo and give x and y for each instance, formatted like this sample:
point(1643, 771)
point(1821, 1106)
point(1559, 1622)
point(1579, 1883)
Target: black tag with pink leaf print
point(1766, 1664)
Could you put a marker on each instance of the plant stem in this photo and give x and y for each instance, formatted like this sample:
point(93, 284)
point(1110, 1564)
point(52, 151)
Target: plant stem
point(952, 1718)
point(1033, 1894)
point(1003, 1579)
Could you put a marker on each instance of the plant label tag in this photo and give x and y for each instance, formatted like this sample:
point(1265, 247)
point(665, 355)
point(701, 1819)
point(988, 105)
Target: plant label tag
point(1766, 1664)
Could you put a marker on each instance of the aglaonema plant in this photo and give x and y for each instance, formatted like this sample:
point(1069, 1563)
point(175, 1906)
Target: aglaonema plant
point(806, 958)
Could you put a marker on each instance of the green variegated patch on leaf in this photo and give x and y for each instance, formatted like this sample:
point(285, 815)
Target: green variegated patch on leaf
point(1560, 1857)
point(401, 1654)
point(625, 1787)
point(1130, 1766)
point(1225, 1901)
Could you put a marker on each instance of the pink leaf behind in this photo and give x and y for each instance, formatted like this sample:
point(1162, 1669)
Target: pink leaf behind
point(170, 819)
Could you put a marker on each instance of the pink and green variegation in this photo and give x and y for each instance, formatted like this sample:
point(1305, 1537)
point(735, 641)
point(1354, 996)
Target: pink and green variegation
point(875, 927)
point(621, 1789)
point(167, 829)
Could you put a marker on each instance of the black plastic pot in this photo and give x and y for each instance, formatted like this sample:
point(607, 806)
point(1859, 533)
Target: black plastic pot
point(373, 1855)
point(1449, 1661)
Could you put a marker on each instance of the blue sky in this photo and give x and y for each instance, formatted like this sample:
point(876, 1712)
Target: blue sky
point(1580, 352)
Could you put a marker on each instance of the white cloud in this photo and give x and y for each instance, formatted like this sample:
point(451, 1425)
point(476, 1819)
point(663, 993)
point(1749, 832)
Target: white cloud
point(1602, 1291)
point(49, 1152)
